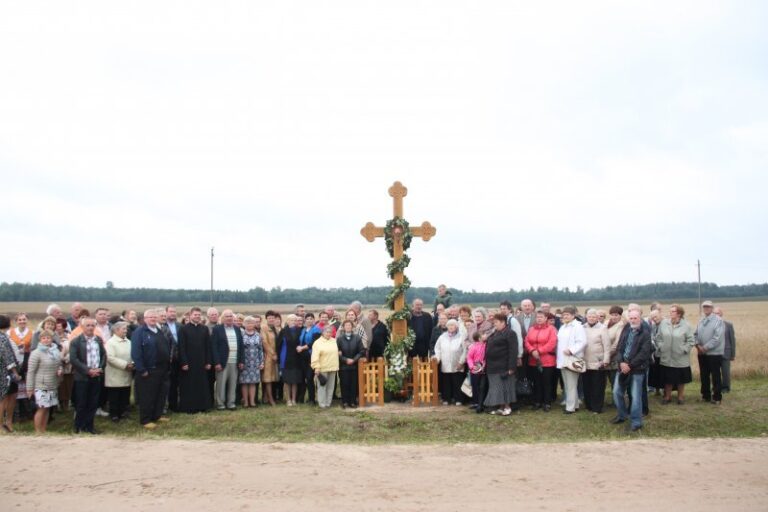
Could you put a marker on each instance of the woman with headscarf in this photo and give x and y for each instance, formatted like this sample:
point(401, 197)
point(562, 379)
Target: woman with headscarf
point(351, 349)
point(451, 353)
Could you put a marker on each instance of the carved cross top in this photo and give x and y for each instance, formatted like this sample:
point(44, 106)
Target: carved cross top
point(371, 232)
point(426, 231)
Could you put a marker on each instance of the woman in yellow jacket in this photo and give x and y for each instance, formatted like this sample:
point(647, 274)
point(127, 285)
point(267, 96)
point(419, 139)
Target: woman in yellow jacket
point(325, 363)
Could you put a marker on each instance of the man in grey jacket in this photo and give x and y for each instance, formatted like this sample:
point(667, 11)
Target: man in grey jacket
point(710, 344)
point(729, 352)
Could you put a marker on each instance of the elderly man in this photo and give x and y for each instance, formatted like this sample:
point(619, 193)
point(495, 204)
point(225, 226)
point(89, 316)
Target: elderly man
point(363, 320)
point(74, 314)
point(710, 344)
point(211, 318)
point(151, 354)
point(226, 350)
point(88, 358)
point(633, 354)
point(729, 351)
point(421, 323)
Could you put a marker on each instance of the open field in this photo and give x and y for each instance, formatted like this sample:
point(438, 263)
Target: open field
point(748, 319)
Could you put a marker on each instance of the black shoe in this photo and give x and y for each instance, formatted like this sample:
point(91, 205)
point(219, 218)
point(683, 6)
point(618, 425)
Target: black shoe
point(635, 428)
point(343, 406)
point(665, 402)
point(479, 410)
point(715, 402)
point(76, 431)
point(115, 419)
point(92, 432)
point(535, 407)
point(353, 406)
point(616, 420)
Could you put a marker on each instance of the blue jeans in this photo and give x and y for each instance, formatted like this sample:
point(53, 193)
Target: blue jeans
point(634, 382)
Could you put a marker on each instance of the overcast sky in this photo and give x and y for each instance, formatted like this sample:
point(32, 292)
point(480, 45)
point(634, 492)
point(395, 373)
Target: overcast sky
point(551, 144)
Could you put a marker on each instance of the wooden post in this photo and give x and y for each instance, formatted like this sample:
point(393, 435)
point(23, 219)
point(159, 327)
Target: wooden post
point(416, 390)
point(361, 381)
point(433, 367)
point(382, 379)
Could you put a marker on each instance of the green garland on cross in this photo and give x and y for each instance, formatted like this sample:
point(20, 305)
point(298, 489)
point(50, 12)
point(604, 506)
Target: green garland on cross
point(396, 353)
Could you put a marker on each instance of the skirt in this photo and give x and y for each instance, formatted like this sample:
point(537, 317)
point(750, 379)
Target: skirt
point(292, 376)
point(500, 391)
point(45, 399)
point(674, 376)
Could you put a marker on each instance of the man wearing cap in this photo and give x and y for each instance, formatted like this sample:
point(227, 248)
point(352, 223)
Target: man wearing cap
point(710, 345)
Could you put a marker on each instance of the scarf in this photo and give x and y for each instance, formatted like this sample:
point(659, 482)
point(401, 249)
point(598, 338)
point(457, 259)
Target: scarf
point(52, 351)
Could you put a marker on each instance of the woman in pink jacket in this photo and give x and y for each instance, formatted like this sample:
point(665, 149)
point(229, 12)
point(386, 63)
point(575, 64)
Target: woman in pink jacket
point(541, 344)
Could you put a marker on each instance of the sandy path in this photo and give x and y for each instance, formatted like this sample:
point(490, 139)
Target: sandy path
point(109, 474)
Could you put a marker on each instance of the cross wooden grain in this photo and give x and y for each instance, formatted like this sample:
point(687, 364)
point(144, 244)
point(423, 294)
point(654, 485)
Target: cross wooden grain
point(371, 232)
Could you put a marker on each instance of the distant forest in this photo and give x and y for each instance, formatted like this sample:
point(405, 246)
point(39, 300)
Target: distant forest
point(27, 292)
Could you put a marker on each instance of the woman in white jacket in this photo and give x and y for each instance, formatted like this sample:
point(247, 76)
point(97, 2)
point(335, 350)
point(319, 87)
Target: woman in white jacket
point(451, 352)
point(571, 342)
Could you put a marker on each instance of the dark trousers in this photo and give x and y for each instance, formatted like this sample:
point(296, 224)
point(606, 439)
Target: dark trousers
point(710, 368)
point(348, 386)
point(118, 401)
point(151, 392)
point(103, 397)
point(726, 372)
point(307, 385)
point(542, 384)
point(277, 390)
point(594, 390)
point(452, 386)
point(173, 387)
point(86, 395)
point(479, 383)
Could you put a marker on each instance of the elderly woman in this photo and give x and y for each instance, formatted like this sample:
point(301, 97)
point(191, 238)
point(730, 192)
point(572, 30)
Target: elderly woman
point(571, 343)
point(48, 324)
point(451, 353)
point(674, 339)
point(483, 323)
point(500, 366)
point(290, 364)
point(253, 360)
point(9, 375)
point(325, 364)
point(358, 328)
point(597, 355)
point(43, 374)
point(615, 326)
point(67, 378)
point(351, 349)
point(269, 375)
point(654, 371)
point(119, 371)
point(541, 344)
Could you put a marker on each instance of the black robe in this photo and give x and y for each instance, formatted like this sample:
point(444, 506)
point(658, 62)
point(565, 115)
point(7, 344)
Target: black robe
point(195, 351)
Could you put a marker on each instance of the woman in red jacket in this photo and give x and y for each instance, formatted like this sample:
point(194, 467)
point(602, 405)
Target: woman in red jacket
point(541, 344)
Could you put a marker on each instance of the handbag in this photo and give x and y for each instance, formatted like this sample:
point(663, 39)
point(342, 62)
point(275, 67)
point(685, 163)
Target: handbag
point(523, 387)
point(466, 387)
point(322, 379)
point(575, 364)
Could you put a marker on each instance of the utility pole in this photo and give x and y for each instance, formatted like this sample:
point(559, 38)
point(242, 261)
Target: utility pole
point(212, 277)
point(698, 265)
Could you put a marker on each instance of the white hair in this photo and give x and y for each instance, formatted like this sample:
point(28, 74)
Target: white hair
point(591, 311)
point(49, 310)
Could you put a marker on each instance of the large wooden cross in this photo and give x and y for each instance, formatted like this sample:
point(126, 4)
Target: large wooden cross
point(371, 232)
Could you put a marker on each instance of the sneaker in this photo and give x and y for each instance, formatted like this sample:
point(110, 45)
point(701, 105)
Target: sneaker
point(458, 404)
point(506, 412)
point(101, 412)
point(445, 403)
point(497, 412)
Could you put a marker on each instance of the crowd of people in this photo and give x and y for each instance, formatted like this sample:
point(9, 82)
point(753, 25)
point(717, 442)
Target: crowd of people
point(495, 360)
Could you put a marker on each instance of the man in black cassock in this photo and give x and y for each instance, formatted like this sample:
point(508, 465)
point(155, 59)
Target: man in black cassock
point(195, 364)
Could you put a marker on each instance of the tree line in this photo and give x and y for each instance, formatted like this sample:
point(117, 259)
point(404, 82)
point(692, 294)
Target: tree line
point(33, 292)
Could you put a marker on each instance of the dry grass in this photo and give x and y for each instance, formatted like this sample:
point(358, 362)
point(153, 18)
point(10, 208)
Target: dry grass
point(747, 318)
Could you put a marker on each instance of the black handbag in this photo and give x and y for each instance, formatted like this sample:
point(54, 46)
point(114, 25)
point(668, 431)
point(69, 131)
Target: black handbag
point(322, 379)
point(523, 387)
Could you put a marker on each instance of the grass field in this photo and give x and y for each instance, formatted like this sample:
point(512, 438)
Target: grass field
point(743, 413)
point(747, 317)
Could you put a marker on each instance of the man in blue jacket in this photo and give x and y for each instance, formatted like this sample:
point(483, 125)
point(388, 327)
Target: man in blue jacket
point(151, 354)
